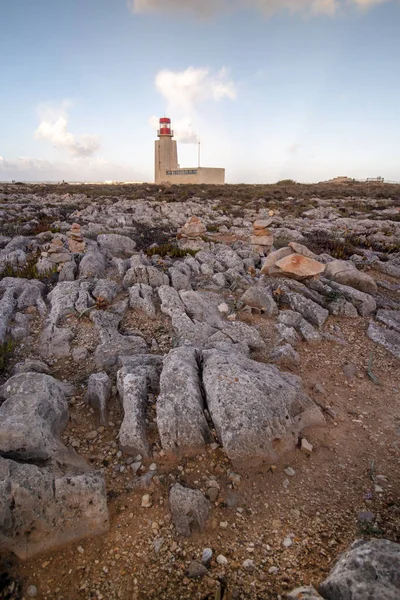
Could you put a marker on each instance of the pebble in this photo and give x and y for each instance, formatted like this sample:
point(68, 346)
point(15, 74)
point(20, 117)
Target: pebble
point(287, 542)
point(290, 472)
point(248, 564)
point(196, 569)
point(135, 467)
point(223, 308)
point(212, 494)
point(146, 501)
point(273, 570)
point(32, 591)
point(153, 467)
point(91, 435)
point(306, 447)
point(224, 524)
point(80, 550)
point(206, 556)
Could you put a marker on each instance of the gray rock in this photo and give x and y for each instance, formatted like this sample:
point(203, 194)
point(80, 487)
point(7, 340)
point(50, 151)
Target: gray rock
point(98, 394)
point(345, 272)
point(388, 338)
point(171, 302)
point(41, 509)
point(79, 354)
point(179, 280)
point(133, 389)
point(219, 280)
point(309, 309)
point(391, 318)
point(7, 306)
point(55, 342)
point(290, 318)
point(148, 275)
point(240, 332)
point(32, 417)
point(260, 298)
point(369, 570)
point(105, 290)
point(196, 570)
point(118, 245)
point(113, 343)
point(258, 411)
point(287, 334)
point(181, 422)
point(68, 271)
point(189, 509)
point(92, 265)
point(31, 366)
point(364, 303)
point(307, 332)
point(342, 308)
point(141, 297)
point(285, 356)
point(307, 592)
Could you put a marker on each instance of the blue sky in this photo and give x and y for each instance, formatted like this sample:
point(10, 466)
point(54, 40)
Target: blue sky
point(306, 89)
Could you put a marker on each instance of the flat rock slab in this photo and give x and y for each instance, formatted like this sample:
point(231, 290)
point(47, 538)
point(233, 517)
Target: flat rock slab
point(391, 318)
point(181, 421)
point(41, 510)
point(368, 571)
point(133, 388)
point(257, 410)
point(388, 338)
point(300, 267)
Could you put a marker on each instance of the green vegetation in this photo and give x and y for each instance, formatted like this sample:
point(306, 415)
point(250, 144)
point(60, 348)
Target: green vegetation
point(169, 250)
point(6, 348)
point(29, 270)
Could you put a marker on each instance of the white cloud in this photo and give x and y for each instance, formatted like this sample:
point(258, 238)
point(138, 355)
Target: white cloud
point(75, 169)
point(183, 91)
point(266, 7)
point(53, 128)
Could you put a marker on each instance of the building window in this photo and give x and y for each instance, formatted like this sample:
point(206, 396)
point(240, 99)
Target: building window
point(183, 172)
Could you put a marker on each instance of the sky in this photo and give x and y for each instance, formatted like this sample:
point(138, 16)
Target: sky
point(272, 89)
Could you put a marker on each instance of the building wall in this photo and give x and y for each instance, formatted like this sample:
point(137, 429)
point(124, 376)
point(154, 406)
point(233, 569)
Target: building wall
point(193, 175)
point(166, 158)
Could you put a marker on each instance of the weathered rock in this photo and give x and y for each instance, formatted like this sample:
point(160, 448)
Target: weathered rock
point(196, 570)
point(141, 297)
point(133, 388)
point(287, 334)
point(41, 510)
point(113, 343)
point(32, 417)
point(368, 570)
point(189, 509)
point(364, 303)
point(118, 245)
point(391, 318)
point(105, 290)
point(179, 280)
point(143, 274)
point(258, 411)
point(7, 306)
point(345, 272)
point(92, 265)
point(388, 338)
point(340, 307)
point(55, 342)
point(285, 356)
point(194, 228)
point(303, 250)
point(299, 267)
point(98, 394)
point(181, 422)
point(261, 299)
point(307, 592)
point(68, 271)
point(310, 310)
point(31, 366)
point(268, 267)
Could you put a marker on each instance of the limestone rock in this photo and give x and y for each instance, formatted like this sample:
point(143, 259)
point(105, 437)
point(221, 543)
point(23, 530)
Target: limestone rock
point(258, 411)
point(194, 228)
point(32, 417)
point(364, 303)
point(41, 510)
point(391, 318)
point(105, 290)
point(189, 509)
point(143, 274)
point(303, 250)
point(180, 406)
point(133, 388)
point(98, 394)
point(285, 356)
point(268, 267)
point(92, 265)
point(261, 299)
point(388, 338)
point(141, 297)
point(307, 592)
point(309, 309)
point(118, 245)
point(345, 272)
point(369, 569)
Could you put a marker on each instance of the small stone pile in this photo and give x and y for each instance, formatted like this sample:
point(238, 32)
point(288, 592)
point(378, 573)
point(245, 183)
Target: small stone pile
point(191, 235)
point(76, 243)
point(56, 252)
point(261, 239)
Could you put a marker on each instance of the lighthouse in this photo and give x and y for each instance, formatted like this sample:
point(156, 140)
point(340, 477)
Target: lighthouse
point(166, 168)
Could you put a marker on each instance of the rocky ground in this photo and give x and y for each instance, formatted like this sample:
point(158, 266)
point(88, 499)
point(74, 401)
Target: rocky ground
point(200, 390)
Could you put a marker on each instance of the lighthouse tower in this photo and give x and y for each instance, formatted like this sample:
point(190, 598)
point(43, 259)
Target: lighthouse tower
point(166, 154)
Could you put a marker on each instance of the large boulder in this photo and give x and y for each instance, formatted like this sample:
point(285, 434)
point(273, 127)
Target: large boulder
point(32, 417)
point(345, 272)
point(118, 245)
point(41, 509)
point(370, 570)
point(258, 411)
point(181, 421)
point(189, 509)
point(92, 265)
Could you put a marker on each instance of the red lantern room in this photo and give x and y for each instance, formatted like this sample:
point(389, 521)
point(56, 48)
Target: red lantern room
point(165, 127)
